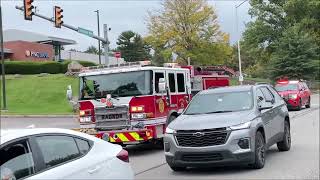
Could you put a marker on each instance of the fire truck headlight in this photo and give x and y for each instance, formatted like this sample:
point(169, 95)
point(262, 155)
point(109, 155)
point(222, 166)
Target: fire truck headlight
point(82, 113)
point(170, 131)
point(137, 108)
point(138, 115)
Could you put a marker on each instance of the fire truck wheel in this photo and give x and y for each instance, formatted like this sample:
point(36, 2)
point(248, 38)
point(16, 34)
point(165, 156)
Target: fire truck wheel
point(171, 118)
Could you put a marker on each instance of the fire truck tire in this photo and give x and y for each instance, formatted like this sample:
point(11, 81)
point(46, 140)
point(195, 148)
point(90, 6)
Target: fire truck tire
point(171, 118)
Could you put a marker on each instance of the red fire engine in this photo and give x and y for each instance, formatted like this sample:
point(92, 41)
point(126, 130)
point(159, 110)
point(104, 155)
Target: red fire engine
point(131, 104)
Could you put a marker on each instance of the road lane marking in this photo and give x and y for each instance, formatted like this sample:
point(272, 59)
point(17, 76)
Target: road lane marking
point(152, 168)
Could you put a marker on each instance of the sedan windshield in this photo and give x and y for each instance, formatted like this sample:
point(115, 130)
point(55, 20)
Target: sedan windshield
point(118, 85)
point(220, 103)
point(287, 87)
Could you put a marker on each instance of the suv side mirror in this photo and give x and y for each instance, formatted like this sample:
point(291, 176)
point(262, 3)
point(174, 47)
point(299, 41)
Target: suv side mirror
point(162, 85)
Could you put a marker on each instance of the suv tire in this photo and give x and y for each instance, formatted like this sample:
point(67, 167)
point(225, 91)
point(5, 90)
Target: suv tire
point(309, 103)
point(260, 151)
point(285, 144)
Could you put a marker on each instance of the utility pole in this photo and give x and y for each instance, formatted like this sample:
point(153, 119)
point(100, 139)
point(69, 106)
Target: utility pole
point(99, 50)
point(238, 42)
point(106, 45)
point(4, 98)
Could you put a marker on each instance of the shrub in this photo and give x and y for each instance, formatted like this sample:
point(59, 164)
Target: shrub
point(30, 67)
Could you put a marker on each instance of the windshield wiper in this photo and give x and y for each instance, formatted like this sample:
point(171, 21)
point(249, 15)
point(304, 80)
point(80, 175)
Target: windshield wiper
point(218, 112)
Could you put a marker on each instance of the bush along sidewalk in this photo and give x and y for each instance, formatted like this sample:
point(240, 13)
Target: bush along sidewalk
point(30, 67)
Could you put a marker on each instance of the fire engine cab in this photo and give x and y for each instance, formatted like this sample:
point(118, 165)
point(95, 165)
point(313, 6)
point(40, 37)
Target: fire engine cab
point(132, 103)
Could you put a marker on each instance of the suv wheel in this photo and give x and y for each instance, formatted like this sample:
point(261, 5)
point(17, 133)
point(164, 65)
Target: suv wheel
point(309, 103)
point(260, 151)
point(285, 144)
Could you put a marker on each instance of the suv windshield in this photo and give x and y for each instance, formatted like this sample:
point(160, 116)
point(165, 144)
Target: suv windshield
point(286, 87)
point(220, 102)
point(118, 85)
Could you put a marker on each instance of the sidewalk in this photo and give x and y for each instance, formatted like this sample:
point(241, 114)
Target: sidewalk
point(37, 116)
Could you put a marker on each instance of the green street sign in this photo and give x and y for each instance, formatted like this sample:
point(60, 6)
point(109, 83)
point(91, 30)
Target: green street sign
point(85, 31)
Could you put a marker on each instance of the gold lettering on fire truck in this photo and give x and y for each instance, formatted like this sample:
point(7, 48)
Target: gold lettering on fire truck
point(161, 106)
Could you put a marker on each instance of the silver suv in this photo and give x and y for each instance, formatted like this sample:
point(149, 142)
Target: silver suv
point(228, 126)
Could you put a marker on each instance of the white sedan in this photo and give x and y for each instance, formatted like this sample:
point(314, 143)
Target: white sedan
point(60, 154)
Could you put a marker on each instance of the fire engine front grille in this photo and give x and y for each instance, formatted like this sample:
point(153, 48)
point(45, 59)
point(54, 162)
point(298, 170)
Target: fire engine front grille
point(202, 138)
point(114, 118)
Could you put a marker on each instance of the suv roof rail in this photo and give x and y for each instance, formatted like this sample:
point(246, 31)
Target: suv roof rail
point(261, 83)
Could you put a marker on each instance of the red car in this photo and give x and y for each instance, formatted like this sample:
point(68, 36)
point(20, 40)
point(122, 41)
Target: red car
point(295, 93)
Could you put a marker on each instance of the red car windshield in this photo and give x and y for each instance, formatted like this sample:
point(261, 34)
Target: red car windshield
point(286, 87)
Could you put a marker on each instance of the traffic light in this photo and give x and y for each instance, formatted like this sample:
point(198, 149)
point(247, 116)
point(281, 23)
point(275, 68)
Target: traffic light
point(28, 9)
point(58, 17)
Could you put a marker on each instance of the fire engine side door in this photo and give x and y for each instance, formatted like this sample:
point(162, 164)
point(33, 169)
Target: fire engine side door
point(172, 88)
point(160, 105)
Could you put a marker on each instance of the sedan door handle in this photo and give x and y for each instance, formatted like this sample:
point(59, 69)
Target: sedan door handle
point(91, 171)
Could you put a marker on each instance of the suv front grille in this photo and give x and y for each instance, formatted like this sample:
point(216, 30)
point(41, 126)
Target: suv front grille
point(202, 157)
point(202, 138)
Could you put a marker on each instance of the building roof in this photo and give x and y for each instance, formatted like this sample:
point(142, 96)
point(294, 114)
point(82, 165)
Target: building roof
point(21, 35)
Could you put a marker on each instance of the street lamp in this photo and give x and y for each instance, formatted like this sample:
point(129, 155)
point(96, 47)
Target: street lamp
point(99, 49)
point(2, 64)
point(239, 55)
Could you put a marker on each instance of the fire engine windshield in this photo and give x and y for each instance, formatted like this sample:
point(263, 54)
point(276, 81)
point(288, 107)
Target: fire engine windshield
point(220, 103)
point(117, 85)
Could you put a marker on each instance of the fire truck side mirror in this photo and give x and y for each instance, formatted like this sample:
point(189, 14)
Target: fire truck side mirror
point(162, 85)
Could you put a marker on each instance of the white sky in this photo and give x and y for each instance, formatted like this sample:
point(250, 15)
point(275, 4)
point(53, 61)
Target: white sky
point(120, 15)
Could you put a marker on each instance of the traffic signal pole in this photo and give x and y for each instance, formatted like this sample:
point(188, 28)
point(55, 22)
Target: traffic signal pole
point(4, 99)
point(104, 40)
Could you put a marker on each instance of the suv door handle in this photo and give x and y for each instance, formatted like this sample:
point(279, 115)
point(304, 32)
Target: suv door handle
point(91, 171)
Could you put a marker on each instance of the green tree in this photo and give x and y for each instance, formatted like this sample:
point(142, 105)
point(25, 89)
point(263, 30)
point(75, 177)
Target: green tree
point(188, 29)
point(92, 50)
point(296, 55)
point(132, 47)
point(272, 19)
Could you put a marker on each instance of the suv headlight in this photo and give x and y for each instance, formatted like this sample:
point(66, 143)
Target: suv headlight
point(170, 131)
point(241, 126)
point(293, 96)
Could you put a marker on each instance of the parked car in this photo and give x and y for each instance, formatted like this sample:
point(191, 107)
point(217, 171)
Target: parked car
point(228, 126)
point(60, 154)
point(295, 93)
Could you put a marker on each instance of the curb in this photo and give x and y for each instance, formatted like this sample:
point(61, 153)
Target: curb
point(38, 116)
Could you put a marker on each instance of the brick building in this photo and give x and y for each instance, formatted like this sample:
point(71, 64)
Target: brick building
point(29, 46)
point(29, 51)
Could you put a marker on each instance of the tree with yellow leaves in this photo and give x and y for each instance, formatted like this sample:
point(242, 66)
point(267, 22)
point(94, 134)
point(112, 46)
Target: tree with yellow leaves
point(188, 29)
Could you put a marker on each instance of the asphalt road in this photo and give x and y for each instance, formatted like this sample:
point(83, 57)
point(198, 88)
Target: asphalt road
point(148, 162)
